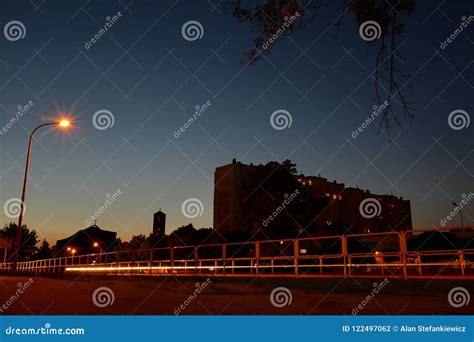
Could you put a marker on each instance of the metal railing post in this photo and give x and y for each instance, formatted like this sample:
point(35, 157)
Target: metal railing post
point(196, 257)
point(344, 253)
point(224, 257)
point(150, 262)
point(171, 259)
point(461, 261)
point(296, 255)
point(257, 257)
point(404, 250)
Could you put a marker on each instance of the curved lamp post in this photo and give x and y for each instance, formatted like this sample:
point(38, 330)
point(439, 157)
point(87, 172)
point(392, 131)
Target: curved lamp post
point(63, 123)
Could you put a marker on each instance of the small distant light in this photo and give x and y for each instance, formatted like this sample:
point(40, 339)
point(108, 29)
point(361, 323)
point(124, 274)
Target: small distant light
point(69, 248)
point(96, 244)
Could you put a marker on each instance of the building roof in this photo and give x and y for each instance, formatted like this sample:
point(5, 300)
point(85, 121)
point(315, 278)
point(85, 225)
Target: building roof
point(93, 230)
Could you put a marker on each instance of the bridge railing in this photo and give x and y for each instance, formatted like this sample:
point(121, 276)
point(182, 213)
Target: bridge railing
point(390, 254)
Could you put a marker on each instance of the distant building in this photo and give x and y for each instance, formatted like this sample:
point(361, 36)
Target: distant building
point(234, 196)
point(346, 205)
point(86, 241)
point(230, 195)
point(159, 224)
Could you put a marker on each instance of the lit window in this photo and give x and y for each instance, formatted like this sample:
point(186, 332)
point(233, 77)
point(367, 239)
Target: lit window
point(334, 197)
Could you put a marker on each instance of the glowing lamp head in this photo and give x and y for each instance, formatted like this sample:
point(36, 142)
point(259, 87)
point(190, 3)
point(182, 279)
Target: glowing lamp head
point(96, 244)
point(69, 249)
point(64, 123)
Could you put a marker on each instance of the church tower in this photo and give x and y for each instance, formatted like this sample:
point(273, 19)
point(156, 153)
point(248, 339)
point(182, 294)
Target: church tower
point(159, 223)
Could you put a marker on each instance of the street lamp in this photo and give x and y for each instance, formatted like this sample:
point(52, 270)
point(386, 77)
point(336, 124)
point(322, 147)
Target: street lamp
point(73, 251)
point(98, 246)
point(62, 123)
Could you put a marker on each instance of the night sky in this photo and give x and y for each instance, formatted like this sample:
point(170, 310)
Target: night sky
point(151, 79)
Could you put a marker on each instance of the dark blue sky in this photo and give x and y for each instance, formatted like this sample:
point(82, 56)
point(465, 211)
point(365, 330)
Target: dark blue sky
point(151, 79)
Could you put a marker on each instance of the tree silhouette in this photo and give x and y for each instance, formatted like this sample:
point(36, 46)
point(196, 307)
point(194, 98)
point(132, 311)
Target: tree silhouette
point(29, 239)
point(44, 252)
point(284, 17)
